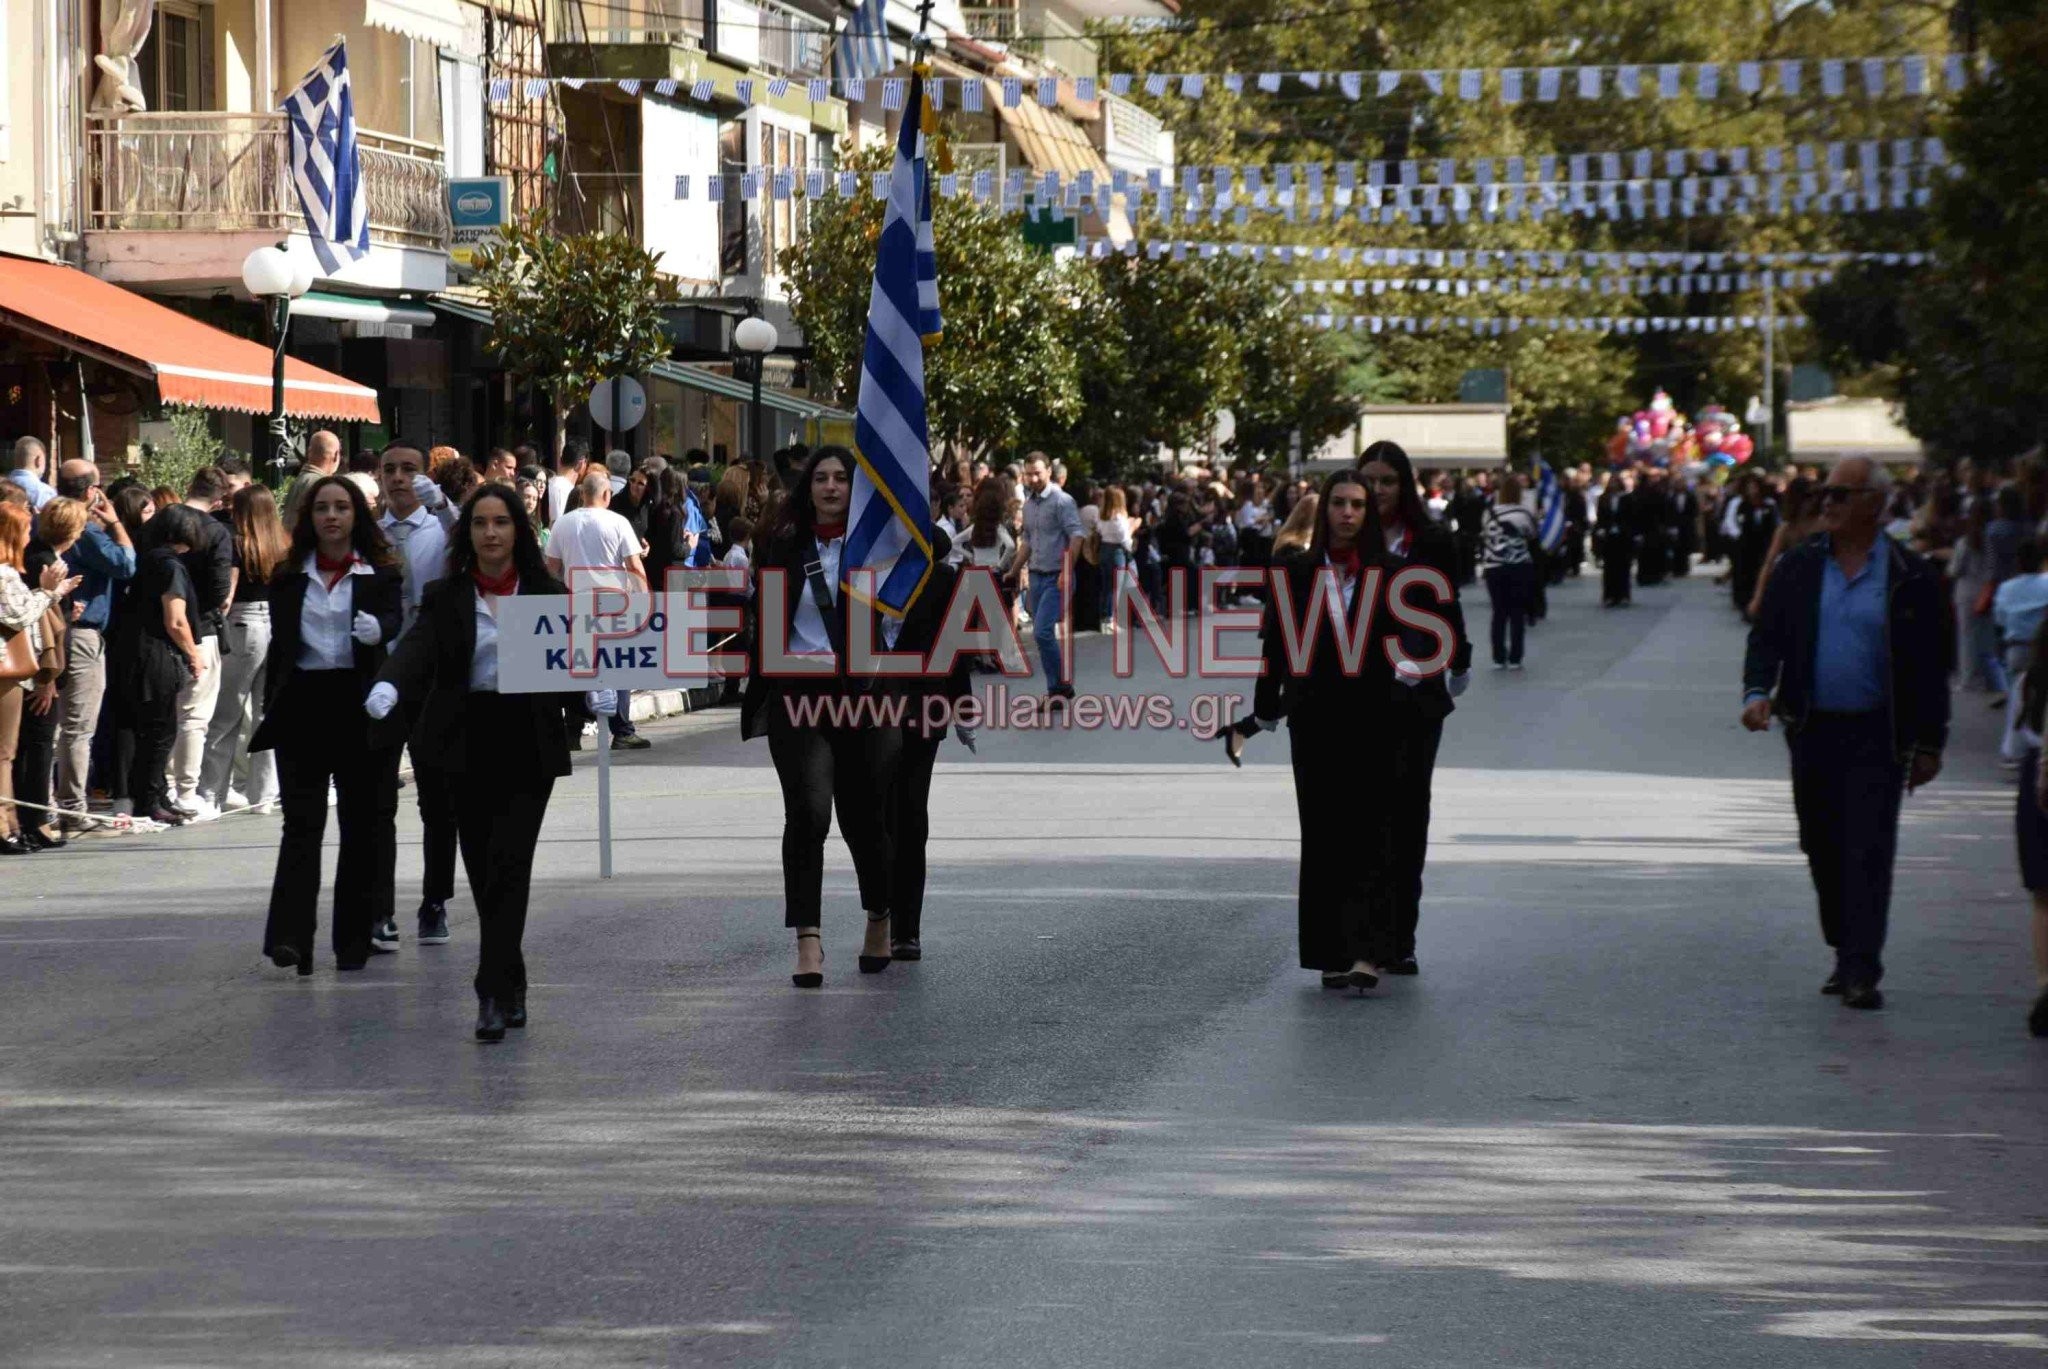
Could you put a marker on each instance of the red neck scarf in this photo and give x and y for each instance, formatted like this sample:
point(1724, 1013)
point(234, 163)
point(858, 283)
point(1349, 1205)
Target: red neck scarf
point(508, 583)
point(829, 532)
point(332, 571)
point(1346, 561)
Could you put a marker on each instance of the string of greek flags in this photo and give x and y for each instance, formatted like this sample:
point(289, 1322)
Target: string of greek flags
point(1481, 258)
point(1832, 78)
point(1497, 327)
point(1050, 193)
point(1738, 282)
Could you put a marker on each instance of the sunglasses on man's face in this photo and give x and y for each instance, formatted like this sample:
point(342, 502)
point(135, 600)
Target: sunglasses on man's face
point(1841, 494)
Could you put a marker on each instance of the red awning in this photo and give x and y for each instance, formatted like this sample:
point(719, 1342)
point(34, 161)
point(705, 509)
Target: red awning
point(193, 363)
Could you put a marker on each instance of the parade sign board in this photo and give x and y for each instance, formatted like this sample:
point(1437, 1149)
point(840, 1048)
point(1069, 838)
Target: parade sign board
point(610, 632)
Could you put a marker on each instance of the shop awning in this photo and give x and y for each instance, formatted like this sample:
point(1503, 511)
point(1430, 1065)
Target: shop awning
point(431, 21)
point(1048, 141)
point(192, 363)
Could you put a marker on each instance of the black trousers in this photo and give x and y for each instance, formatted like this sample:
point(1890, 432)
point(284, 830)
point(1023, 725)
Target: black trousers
point(1847, 782)
point(326, 737)
point(1615, 570)
point(1410, 756)
point(852, 767)
point(435, 792)
point(152, 724)
point(911, 813)
point(1653, 559)
point(35, 756)
point(1345, 907)
point(500, 799)
point(1511, 590)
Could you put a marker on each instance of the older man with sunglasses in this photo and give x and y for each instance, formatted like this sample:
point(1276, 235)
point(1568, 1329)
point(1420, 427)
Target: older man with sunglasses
point(1847, 651)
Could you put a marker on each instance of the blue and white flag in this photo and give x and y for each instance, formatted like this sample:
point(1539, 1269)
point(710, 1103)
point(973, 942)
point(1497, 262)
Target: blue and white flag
point(327, 167)
point(1549, 508)
point(863, 50)
point(889, 524)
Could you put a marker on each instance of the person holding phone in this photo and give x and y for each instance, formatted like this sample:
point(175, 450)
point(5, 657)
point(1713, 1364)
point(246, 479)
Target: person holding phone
point(22, 612)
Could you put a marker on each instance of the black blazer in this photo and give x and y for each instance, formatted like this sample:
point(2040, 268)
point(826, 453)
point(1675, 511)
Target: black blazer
point(381, 594)
point(1787, 629)
point(1435, 547)
point(921, 630)
point(760, 690)
point(430, 670)
point(1324, 687)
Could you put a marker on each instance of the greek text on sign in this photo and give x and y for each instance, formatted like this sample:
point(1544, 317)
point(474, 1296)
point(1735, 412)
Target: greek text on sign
point(611, 632)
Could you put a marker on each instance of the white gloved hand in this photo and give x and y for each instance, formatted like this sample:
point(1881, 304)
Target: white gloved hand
point(383, 698)
point(366, 630)
point(428, 493)
point(1457, 681)
point(965, 734)
point(1408, 673)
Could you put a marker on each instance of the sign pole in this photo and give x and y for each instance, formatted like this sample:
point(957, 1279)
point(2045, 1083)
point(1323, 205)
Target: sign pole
point(604, 800)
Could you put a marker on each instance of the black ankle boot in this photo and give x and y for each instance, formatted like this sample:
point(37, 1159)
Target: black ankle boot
point(515, 1008)
point(490, 1020)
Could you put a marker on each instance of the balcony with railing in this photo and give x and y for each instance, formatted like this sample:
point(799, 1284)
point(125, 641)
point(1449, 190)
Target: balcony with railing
point(231, 173)
point(676, 23)
point(792, 42)
point(1036, 32)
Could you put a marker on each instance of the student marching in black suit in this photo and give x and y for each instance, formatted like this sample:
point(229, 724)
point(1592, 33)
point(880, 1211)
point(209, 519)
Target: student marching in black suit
point(910, 800)
point(1416, 720)
point(1614, 538)
point(500, 753)
point(1337, 724)
point(335, 604)
point(847, 761)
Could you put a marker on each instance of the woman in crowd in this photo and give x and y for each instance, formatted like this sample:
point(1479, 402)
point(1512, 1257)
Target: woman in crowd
point(58, 528)
point(334, 606)
point(501, 752)
point(22, 613)
point(260, 548)
point(1416, 714)
point(1337, 724)
point(1115, 530)
point(824, 763)
point(669, 542)
point(1614, 540)
point(1300, 528)
point(990, 546)
point(153, 650)
point(1754, 531)
point(1176, 541)
point(1799, 519)
point(1508, 534)
point(533, 494)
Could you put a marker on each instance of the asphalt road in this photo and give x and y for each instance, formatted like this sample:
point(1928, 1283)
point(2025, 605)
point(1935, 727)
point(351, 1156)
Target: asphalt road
point(1106, 1121)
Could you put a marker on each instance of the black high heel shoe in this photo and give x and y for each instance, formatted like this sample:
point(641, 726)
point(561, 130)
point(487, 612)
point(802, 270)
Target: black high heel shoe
point(874, 964)
point(284, 957)
point(1234, 738)
point(490, 1020)
point(811, 979)
point(515, 1009)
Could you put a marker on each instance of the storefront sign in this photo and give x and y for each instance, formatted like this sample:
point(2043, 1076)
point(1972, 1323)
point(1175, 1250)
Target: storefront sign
point(478, 206)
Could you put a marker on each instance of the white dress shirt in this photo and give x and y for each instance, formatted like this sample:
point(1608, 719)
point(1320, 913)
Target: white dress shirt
point(807, 630)
point(327, 619)
point(483, 662)
point(423, 543)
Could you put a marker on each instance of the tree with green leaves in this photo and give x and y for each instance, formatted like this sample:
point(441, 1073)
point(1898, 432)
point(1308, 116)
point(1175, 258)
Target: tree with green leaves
point(569, 311)
point(1004, 365)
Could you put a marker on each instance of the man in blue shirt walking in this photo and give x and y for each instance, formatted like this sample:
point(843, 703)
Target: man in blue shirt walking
point(1849, 641)
point(1052, 527)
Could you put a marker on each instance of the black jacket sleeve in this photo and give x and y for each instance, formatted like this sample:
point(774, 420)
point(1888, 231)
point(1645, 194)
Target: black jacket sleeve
point(1919, 643)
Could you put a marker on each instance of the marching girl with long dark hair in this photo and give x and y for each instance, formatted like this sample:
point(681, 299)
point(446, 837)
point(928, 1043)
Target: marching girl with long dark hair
point(1416, 718)
point(1337, 725)
point(336, 603)
point(822, 761)
point(500, 753)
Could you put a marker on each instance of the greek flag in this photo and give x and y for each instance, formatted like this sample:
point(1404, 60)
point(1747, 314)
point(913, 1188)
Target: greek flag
point(1549, 508)
point(863, 51)
point(889, 525)
point(327, 168)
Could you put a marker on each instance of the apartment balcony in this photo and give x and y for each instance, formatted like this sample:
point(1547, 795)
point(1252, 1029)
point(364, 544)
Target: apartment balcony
point(176, 200)
point(1035, 31)
point(621, 39)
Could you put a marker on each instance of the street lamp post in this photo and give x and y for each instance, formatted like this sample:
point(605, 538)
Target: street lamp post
point(275, 277)
point(756, 337)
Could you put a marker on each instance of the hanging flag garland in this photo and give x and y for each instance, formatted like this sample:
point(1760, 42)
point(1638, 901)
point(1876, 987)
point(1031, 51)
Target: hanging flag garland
point(1499, 326)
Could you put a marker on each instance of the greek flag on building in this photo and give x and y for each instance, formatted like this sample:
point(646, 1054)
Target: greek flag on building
point(1549, 507)
point(889, 525)
point(327, 168)
point(863, 50)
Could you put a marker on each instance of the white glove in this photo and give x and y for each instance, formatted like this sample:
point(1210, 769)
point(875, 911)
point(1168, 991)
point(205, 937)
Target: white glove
point(965, 734)
point(1408, 673)
point(366, 630)
point(428, 493)
point(1457, 681)
point(383, 698)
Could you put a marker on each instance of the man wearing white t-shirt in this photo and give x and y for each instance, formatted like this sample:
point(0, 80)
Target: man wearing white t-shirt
point(592, 537)
point(569, 468)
